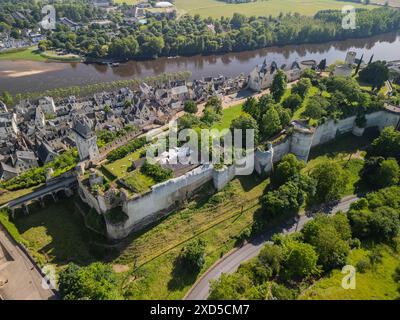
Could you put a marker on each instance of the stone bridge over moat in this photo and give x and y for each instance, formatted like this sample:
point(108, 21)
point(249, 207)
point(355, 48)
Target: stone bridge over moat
point(65, 184)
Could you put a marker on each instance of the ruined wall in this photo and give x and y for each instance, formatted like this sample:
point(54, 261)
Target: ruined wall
point(148, 208)
point(221, 177)
point(96, 202)
point(301, 141)
point(382, 119)
point(280, 149)
point(330, 129)
point(300, 144)
point(263, 160)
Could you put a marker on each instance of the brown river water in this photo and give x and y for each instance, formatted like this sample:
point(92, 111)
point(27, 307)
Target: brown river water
point(31, 76)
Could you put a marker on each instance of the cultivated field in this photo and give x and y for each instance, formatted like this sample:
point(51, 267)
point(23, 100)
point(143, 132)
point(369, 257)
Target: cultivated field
point(216, 8)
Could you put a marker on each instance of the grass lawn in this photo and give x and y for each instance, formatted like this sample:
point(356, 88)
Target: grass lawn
point(52, 55)
point(216, 9)
point(32, 54)
point(55, 234)
point(138, 181)
point(374, 284)
point(11, 195)
point(297, 114)
point(228, 115)
point(348, 151)
point(120, 167)
point(130, 2)
point(23, 54)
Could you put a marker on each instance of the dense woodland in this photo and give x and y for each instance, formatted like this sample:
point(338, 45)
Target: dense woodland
point(189, 35)
point(193, 35)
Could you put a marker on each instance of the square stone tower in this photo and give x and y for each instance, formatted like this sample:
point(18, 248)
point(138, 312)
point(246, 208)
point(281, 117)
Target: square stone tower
point(85, 139)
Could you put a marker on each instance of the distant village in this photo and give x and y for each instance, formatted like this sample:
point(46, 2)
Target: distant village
point(131, 14)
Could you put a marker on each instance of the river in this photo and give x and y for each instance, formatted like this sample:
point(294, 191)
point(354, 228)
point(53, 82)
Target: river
point(31, 76)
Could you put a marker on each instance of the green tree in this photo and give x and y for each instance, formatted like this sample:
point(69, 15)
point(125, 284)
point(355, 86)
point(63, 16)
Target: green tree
point(215, 103)
point(94, 282)
point(387, 145)
point(238, 20)
point(331, 181)
point(279, 85)
point(302, 87)
point(331, 248)
point(192, 255)
point(322, 65)
point(292, 102)
point(300, 261)
point(210, 116)
point(280, 292)
point(286, 199)
point(271, 123)
point(152, 46)
point(387, 174)
point(271, 258)
point(287, 169)
point(7, 99)
point(190, 106)
point(243, 122)
point(375, 74)
point(252, 108)
point(315, 108)
point(384, 224)
point(229, 287)
point(156, 171)
point(188, 121)
point(376, 218)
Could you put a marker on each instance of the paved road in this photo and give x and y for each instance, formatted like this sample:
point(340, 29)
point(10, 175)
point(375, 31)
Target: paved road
point(65, 182)
point(19, 277)
point(231, 261)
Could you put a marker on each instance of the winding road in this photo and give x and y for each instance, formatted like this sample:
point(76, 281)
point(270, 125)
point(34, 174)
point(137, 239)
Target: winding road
point(232, 260)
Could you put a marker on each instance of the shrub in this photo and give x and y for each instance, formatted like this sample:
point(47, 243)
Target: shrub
point(122, 151)
point(190, 106)
point(192, 255)
point(363, 265)
point(155, 171)
point(94, 282)
point(243, 236)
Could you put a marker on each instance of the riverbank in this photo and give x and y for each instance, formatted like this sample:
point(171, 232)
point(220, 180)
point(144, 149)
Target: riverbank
point(45, 75)
point(33, 54)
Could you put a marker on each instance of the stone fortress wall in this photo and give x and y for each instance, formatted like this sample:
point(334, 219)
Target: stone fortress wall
point(165, 197)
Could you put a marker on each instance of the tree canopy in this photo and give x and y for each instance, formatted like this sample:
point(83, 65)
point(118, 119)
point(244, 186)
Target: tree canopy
point(97, 281)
